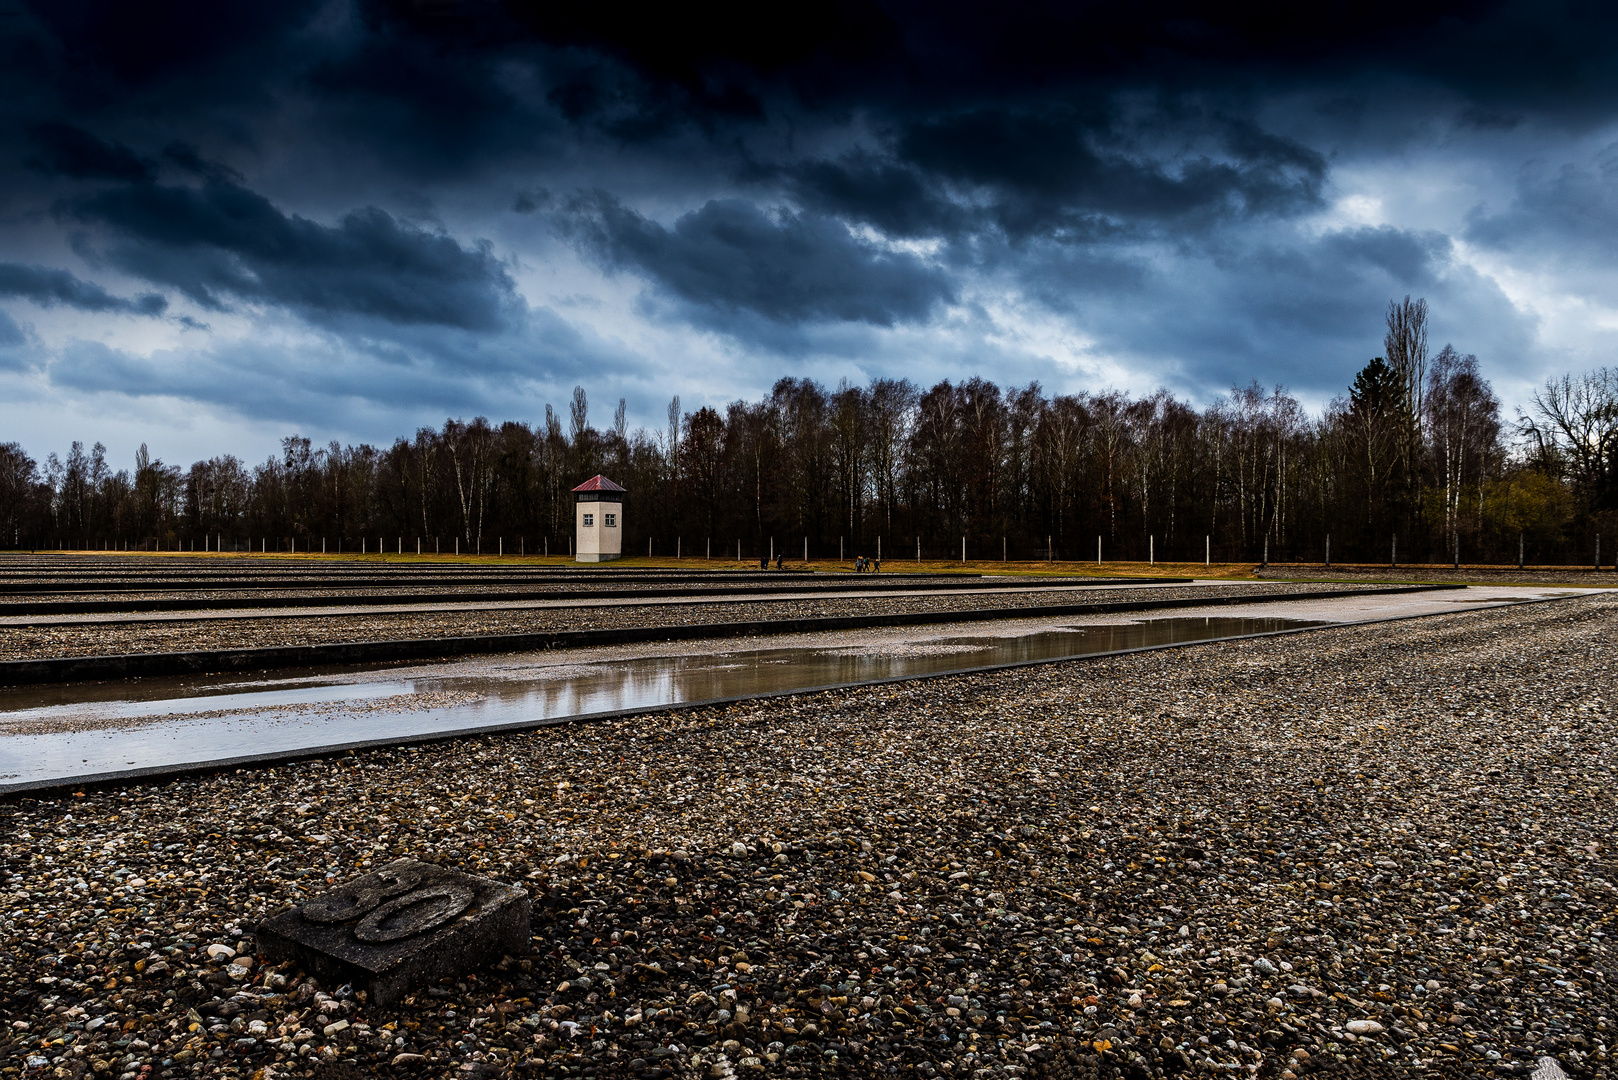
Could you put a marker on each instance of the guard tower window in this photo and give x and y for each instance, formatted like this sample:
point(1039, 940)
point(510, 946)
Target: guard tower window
point(609, 520)
point(589, 520)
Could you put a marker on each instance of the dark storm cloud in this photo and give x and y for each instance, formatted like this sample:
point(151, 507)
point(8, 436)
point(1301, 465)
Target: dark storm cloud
point(1571, 211)
point(49, 287)
point(64, 150)
point(14, 355)
point(1303, 311)
point(788, 268)
point(897, 198)
point(1052, 172)
point(221, 241)
point(721, 69)
point(1148, 177)
point(105, 53)
point(457, 85)
point(324, 376)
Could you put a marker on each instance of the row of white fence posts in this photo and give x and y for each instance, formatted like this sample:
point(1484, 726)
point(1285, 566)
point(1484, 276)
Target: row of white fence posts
point(216, 545)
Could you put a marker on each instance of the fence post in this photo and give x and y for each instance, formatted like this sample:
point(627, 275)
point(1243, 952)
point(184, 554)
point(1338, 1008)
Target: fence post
point(1457, 549)
point(1328, 551)
point(1520, 549)
point(1266, 563)
point(1207, 549)
point(1393, 557)
point(963, 551)
point(1151, 550)
point(879, 548)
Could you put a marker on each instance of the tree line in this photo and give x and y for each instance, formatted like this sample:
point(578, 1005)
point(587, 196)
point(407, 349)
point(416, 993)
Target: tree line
point(1414, 454)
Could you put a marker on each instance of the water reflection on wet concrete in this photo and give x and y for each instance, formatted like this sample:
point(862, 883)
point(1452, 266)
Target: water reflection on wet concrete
point(77, 731)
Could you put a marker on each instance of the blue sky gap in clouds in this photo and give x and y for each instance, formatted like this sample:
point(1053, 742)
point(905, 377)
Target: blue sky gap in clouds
point(225, 221)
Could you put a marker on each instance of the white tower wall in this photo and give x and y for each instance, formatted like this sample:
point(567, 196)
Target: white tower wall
point(599, 531)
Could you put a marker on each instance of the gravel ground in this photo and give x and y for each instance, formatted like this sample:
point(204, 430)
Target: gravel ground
point(405, 592)
point(89, 639)
point(1581, 576)
point(1371, 851)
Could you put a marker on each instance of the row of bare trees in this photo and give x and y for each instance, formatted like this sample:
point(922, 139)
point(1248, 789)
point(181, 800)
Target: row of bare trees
point(1416, 449)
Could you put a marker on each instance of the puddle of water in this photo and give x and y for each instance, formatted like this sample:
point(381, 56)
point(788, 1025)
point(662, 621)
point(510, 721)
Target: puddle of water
point(68, 731)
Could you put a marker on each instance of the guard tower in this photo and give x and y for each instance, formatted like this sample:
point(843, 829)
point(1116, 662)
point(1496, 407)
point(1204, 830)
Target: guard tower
point(598, 520)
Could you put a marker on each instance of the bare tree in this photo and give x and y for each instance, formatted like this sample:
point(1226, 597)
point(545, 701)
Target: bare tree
point(1406, 345)
point(672, 446)
point(893, 416)
point(1575, 420)
point(580, 414)
point(1463, 420)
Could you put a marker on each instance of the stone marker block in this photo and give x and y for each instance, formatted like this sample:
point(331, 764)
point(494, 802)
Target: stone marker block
point(407, 924)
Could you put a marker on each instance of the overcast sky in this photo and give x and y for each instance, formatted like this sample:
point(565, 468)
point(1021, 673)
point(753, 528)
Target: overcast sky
point(223, 223)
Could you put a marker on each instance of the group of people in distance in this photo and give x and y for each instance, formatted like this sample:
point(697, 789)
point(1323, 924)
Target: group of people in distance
point(862, 565)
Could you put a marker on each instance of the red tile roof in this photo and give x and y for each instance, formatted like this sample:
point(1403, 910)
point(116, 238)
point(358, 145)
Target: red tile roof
point(599, 483)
